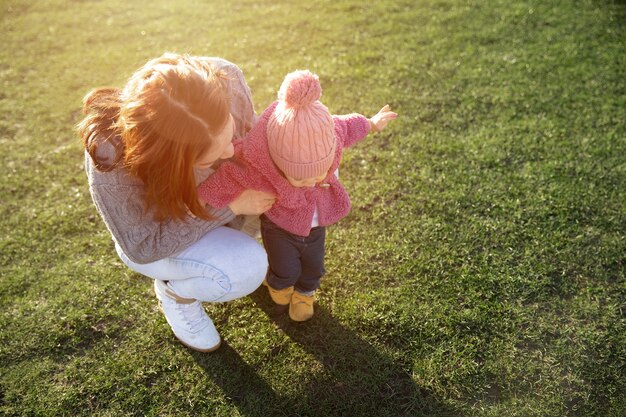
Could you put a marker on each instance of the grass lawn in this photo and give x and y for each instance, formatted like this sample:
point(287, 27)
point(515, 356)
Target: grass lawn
point(480, 273)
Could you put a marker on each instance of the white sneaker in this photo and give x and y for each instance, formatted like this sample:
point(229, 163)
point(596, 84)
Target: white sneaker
point(190, 323)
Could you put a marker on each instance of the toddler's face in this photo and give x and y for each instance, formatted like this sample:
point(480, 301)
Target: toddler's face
point(305, 182)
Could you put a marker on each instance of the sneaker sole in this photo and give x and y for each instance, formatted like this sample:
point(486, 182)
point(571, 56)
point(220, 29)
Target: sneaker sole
point(209, 350)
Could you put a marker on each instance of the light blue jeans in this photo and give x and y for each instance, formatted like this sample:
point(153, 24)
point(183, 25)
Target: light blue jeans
point(225, 264)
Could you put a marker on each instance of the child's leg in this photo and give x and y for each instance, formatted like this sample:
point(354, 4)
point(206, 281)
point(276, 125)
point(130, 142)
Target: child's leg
point(284, 261)
point(312, 260)
point(312, 257)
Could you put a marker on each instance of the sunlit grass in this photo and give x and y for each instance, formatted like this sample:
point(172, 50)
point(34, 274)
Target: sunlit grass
point(481, 271)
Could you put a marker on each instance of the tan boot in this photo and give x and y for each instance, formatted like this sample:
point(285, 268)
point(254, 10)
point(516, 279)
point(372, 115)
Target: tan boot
point(301, 307)
point(280, 297)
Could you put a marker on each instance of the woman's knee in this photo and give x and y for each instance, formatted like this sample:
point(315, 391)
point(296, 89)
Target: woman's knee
point(223, 265)
point(251, 266)
point(240, 258)
point(226, 281)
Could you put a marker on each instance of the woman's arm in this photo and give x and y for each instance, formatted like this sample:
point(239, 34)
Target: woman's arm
point(119, 200)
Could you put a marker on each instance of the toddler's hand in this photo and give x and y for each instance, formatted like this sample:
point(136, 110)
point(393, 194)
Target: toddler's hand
point(379, 121)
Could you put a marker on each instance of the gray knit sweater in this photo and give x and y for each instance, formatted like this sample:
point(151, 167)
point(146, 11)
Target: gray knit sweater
point(119, 197)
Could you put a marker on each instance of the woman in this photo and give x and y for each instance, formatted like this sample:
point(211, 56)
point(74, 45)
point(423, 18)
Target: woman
point(147, 147)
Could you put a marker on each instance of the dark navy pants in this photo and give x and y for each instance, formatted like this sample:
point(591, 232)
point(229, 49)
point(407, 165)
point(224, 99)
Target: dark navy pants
point(293, 260)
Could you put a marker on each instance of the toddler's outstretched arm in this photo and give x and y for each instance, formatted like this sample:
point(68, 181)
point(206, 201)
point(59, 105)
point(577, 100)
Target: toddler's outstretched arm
point(379, 121)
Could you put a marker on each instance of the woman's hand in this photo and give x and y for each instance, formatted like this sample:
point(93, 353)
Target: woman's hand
point(252, 202)
point(379, 121)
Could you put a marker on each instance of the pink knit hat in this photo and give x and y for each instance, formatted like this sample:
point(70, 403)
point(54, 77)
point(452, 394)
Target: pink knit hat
point(300, 131)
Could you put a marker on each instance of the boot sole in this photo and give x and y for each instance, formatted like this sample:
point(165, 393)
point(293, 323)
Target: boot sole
point(300, 321)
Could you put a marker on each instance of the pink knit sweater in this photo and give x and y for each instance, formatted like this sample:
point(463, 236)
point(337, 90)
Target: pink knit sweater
point(253, 168)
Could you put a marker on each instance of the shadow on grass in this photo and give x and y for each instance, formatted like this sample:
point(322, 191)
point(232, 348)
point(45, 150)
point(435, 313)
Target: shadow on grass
point(357, 379)
point(239, 382)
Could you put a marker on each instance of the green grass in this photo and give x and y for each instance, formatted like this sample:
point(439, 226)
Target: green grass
point(480, 273)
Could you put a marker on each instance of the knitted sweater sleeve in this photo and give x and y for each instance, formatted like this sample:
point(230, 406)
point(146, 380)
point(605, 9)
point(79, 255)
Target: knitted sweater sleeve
point(351, 128)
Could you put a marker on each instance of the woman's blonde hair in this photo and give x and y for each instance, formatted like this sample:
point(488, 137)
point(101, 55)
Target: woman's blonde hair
point(161, 122)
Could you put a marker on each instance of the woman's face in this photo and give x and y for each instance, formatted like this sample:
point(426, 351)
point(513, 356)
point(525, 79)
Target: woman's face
point(222, 147)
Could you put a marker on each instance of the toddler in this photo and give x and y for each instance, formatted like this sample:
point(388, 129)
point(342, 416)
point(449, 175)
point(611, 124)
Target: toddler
point(294, 151)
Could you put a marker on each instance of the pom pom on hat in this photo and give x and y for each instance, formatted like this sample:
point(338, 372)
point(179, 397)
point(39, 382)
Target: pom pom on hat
point(300, 88)
point(301, 131)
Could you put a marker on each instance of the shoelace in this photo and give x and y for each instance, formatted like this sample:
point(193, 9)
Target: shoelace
point(193, 315)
